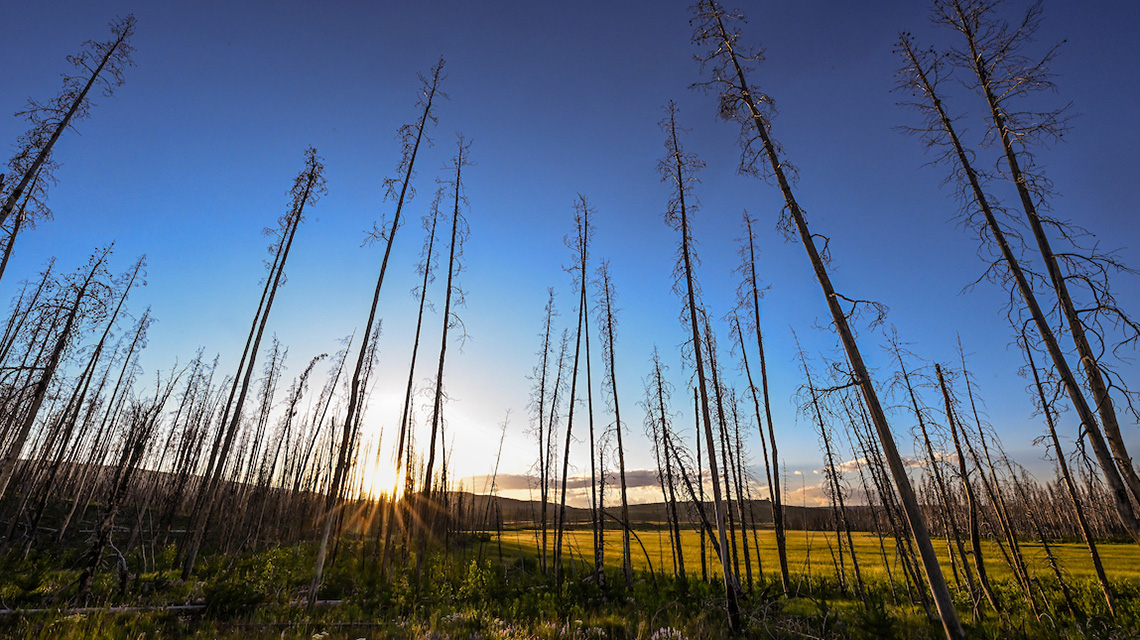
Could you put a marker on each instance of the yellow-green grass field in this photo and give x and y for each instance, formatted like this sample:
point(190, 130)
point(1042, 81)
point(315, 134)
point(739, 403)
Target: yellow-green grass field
point(809, 552)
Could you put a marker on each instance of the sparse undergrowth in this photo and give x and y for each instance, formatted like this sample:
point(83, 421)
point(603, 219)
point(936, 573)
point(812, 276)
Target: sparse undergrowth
point(261, 595)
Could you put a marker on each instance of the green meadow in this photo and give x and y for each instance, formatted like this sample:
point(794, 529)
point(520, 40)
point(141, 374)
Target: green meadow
point(815, 553)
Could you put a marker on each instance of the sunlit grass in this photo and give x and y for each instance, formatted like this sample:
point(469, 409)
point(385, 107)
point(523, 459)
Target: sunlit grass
point(815, 553)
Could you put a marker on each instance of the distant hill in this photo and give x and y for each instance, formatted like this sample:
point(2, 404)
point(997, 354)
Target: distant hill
point(479, 508)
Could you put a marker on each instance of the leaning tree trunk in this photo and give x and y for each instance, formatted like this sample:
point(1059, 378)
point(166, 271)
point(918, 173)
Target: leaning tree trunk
point(406, 410)
point(1078, 510)
point(980, 61)
point(543, 457)
point(773, 479)
point(741, 92)
point(921, 82)
point(678, 168)
point(306, 188)
point(412, 136)
point(608, 323)
point(450, 297)
point(940, 482)
point(115, 53)
point(971, 500)
point(581, 246)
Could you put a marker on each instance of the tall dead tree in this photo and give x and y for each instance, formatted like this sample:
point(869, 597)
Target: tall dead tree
point(968, 487)
point(993, 488)
point(341, 460)
point(453, 296)
point(699, 497)
point(949, 517)
point(100, 63)
point(411, 137)
point(749, 294)
point(1070, 487)
point(428, 258)
point(308, 186)
point(657, 392)
point(597, 522)
point(921, 76)
point(1005, 75)
point(430, 507)
point(556, 398)
point(542, 407)
point(580, 246)
point(728, 469)
point(679, 169)
point(761, 155)
point(608, 322)
point(832, 478)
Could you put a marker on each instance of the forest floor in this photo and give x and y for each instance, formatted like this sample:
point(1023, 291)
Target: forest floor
point(489, 588)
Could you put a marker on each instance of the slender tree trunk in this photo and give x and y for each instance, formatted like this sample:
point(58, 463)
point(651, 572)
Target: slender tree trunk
point(722, 431)
point(543, 448)
point(581, 247)
point(831, 475)
point(117, 52)
point(1105, 459)
point(608, 323)
point(971, 500)
point(700, 486)
point(412, 137)
point(659, 419)
point(741, 90)
point(1078, 510)
point(775, 493)
point(993, 491)
point(940, 482)
point(437, 403)
point(451, 295)
point(1088, 358)
point(308, 184)
point(743, 508)
point(679, 168)
point(595, 508)
point(774, 497)
point(406, 410)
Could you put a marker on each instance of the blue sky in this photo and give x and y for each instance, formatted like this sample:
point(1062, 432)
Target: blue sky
point(193, 156)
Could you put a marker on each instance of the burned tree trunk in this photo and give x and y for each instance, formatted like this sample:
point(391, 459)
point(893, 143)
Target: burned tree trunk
point(739, 102)
point(609, 322)
point(921, 76)
point(679, 168)
point(1003, 74)
point(580, 246)
point(52, 119)
point(307, 188)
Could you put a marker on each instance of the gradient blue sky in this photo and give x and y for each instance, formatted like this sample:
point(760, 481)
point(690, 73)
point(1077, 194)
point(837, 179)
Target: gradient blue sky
point(193, 157)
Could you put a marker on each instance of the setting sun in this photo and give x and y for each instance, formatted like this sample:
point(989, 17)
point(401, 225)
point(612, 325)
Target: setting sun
point(376, 478)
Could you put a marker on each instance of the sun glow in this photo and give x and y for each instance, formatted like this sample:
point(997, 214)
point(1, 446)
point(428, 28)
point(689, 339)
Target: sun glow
point(379, 478)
